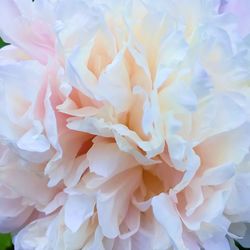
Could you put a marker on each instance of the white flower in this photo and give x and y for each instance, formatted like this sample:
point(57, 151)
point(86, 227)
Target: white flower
point(126, 124)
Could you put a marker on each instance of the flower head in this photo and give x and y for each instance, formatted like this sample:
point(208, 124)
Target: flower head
point(126, 124)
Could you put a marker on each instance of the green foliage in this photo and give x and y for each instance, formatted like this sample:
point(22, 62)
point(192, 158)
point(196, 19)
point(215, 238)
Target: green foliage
point(2, 43)
point(5, 242)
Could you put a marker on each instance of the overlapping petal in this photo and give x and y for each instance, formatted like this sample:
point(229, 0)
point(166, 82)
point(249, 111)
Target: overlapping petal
point(124, 124)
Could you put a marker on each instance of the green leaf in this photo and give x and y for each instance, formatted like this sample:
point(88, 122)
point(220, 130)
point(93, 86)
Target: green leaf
point(2, 43)
point(5, 242)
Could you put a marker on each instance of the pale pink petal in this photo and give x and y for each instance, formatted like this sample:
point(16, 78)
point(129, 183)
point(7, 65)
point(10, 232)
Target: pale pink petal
point(77, 210)
point(166, 214)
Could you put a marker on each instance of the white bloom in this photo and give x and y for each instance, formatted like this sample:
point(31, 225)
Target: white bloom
point(125, 124)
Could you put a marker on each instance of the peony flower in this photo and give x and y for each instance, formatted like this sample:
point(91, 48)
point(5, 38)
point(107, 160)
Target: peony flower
point(125, 124)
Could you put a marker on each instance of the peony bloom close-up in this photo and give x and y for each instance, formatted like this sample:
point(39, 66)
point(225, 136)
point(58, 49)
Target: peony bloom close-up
point(125, 124)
